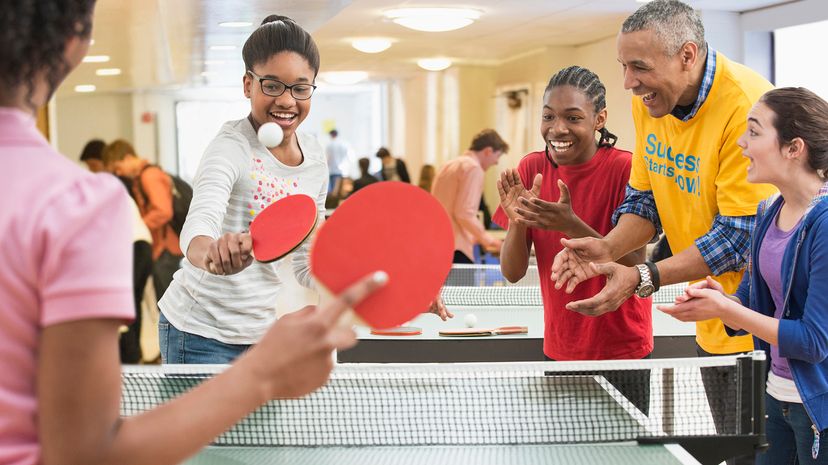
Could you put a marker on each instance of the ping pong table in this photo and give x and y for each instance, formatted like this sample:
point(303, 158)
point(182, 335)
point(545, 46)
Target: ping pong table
point(627, 453)
point(481, 413)
point(483, 291)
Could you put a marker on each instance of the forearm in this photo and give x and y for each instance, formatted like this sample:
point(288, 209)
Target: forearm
point(475, 229)
point(630, 234)
point(688, 265)
point(514, 255)
point(581, 229)
point(764, 327)
point(231, 396)
point(154, 218)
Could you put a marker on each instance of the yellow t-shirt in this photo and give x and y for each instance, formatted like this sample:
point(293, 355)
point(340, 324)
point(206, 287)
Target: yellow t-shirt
point(696, 171)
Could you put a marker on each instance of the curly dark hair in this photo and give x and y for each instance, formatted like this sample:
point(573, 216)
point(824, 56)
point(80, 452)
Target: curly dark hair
point(33, 35)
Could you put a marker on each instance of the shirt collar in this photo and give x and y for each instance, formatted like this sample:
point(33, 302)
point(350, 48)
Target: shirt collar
point(704, 89)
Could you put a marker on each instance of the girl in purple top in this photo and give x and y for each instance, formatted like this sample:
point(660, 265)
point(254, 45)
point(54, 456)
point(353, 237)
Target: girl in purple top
point(783, 297)
point(66, 288)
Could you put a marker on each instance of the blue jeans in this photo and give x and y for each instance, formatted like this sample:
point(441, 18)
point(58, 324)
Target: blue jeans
point(790, 436)
point(180, 347)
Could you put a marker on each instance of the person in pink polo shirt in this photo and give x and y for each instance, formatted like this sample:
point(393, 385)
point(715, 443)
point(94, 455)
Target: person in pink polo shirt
point(66, 288)
point(459, 187)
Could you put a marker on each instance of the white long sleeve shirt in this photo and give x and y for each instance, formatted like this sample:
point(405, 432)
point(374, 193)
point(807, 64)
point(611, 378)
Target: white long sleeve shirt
point(236, 179)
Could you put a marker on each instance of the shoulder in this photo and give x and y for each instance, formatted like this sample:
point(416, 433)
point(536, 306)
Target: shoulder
point(617, 157)
point(533, 161)
point(311, 147)
point(235, 138)
point(738, 87)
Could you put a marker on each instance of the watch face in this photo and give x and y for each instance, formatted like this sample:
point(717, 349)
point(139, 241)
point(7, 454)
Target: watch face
point(645, 291)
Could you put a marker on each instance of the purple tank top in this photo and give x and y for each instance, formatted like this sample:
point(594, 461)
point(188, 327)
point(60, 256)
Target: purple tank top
point(770, 266)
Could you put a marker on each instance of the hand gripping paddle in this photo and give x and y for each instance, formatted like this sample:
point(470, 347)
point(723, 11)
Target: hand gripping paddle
point(392, 227)
point(281, 227)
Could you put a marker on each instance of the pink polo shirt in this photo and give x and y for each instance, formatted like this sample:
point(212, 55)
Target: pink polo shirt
point(66, 254)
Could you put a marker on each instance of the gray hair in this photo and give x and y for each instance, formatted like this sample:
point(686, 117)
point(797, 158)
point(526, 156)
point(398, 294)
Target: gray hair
point(673, 22)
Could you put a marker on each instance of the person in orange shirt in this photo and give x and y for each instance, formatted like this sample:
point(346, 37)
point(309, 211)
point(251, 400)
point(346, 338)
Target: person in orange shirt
point(152, 191)
point(459, 186)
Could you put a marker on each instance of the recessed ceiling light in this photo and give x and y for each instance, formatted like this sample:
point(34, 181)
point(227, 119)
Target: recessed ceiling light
point(371, 45)
point(434, 64)
point(343, 78)
point(85, 88)
point(96, 58)
point(91, 41)
point(235, 24)
point(108, 71)
point(433, 19)
point(222, 47)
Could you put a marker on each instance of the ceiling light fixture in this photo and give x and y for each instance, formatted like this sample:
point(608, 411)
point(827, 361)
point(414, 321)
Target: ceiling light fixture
point(434, 64)
point(371, 45)
point(96, 58)
point(343, 78)
point(433, 19)
point(235, 24)
point(108, 71)
point(85, 88)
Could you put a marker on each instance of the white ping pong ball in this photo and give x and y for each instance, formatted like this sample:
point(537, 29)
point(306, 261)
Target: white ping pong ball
point(270, 135)
point(470, 320)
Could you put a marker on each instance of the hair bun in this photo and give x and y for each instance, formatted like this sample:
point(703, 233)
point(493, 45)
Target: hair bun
point(273, 18)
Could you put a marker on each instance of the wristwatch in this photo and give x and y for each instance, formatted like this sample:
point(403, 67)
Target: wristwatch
point(645, 286)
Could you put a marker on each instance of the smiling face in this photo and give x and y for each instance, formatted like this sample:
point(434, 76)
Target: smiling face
point(661, 81)
point(284, 110)
point(568, 125)
point(760, 145)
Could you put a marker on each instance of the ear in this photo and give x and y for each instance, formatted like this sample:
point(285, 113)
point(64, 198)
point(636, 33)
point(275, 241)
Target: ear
point(247, 83)
point(796, 149)
point(689, 53)
point(601, 119)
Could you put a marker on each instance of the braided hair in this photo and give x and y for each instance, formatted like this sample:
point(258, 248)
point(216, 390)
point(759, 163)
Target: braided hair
point(587, 82)
point(33, 35)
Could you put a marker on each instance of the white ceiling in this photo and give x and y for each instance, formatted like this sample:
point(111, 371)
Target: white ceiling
point(166, 43)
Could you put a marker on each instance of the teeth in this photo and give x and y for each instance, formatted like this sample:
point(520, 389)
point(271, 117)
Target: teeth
point(649, 96)
point(283, 115)
point(560, 146)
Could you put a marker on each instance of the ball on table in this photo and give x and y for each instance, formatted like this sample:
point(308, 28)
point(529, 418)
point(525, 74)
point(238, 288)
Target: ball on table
point(270, 135)
point(470, 320)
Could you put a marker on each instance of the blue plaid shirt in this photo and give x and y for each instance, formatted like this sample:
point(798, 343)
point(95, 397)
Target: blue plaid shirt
point(704, 89)
point(725, 247)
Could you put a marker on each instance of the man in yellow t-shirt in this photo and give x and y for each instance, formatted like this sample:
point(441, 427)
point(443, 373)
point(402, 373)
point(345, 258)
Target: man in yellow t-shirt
point(688, 176)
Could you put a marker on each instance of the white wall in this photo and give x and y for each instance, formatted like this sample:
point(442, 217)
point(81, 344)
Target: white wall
point(99, 116)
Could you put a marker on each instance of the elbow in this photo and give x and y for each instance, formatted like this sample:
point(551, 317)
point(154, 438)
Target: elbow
point(808, 345)
point(512, 275)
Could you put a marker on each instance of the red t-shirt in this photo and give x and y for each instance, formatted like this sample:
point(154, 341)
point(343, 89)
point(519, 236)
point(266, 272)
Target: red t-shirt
point(597, 189)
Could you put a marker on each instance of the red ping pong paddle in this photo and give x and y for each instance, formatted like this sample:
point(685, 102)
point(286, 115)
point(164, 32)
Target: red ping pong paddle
point(392, 227)
point(281, 227)
point(473, 332)
point(398, 331)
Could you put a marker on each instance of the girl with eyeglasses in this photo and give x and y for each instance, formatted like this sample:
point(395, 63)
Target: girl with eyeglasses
point(222, 300)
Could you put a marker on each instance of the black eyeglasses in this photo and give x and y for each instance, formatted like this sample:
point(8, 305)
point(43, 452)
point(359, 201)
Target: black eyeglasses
point(275, 87)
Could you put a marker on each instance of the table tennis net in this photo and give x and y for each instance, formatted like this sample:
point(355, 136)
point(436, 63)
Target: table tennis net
point(484, 285)
point(491, 403)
